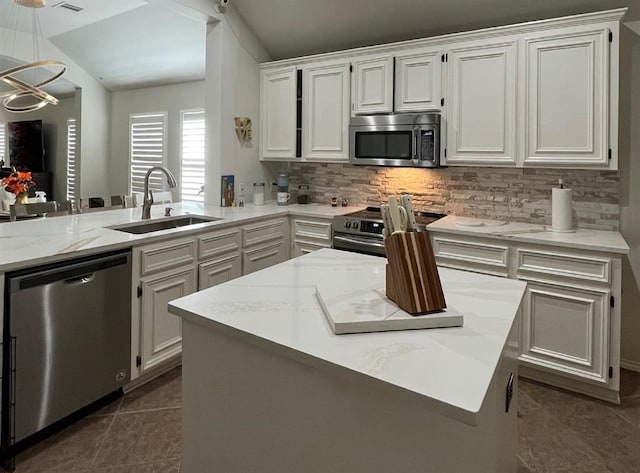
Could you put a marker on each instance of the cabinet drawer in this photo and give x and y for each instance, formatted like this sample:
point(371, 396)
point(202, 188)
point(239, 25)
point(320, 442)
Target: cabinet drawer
point(263, 256)
point(263, 231)
point(166, 255)
point(586, 268)
point(217, 243)
point(473, 256)
point(312, 229)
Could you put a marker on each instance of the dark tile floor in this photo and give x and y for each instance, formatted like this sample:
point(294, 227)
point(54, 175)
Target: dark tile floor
point(560, 432)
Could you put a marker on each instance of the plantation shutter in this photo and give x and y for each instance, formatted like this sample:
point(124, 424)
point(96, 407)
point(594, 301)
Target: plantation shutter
point(147, 142)
point(192, 155)
point(3, 146)
point(71, 159)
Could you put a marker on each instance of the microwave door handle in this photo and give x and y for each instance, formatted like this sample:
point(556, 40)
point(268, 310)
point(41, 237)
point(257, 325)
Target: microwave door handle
point(416, 148)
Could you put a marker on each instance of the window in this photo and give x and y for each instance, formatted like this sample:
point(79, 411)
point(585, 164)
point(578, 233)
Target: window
point(192, 155)
point(147, 148)
point(3, 147)
point(71, 159)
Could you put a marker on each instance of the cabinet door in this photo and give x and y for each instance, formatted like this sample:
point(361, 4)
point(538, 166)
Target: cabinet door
point(481, 124)
point(161, 332)
point(219, 270)
point(373, 85)
point(566, 98)
point(326, 112)
point(278, 113)
point(566, 330)
point(418, 79)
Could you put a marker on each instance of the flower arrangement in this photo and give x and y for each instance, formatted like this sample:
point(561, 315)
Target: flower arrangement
point(17, 182)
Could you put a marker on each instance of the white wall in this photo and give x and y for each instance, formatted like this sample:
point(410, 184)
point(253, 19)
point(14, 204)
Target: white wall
point(54, 123)
point(169, 98)
point(232, 90)
point(629, 141)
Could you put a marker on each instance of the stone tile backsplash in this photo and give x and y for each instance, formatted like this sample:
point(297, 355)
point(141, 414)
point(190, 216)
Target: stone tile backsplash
point(515, 194)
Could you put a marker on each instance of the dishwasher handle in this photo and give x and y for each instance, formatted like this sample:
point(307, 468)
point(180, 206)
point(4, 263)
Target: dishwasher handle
point(84, 279)
point(70, 273)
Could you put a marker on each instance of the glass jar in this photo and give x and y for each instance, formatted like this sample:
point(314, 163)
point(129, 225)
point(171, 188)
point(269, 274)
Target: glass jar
point(258, 193)
point(303, 194)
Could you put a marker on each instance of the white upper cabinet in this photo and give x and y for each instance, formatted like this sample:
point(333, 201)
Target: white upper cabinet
point(326, 104)
point(566, 82)
point(418, 79)
point(278, 113)
point(372, 87)
point(481, 127)
point(537, 94)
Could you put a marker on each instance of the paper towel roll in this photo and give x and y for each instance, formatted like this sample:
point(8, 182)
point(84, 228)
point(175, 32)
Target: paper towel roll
point(561, 210)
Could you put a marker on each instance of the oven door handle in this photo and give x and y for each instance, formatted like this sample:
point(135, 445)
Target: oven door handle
point(358, 241)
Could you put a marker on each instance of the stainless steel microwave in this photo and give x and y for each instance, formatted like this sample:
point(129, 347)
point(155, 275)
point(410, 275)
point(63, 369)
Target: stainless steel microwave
point(407, 139)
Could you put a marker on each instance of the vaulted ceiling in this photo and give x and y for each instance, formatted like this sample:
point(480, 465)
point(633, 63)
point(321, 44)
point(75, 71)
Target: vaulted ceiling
point(138, 43)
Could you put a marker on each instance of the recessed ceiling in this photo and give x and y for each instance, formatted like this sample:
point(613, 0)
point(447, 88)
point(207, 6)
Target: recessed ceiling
point(147, 46)
point(125, 44)
point(290, 28)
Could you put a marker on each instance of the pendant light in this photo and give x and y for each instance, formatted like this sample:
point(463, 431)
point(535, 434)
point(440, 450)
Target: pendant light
point(26, 80)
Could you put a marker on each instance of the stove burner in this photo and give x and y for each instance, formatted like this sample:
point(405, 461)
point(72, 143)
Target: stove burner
point(361, 231)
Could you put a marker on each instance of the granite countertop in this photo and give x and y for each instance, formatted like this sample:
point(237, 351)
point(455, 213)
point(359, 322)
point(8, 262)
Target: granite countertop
point(451, 368)
point(581, 238)
point(44, 240)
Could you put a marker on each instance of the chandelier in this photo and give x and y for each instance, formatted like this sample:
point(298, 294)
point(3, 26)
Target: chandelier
point(25, 81)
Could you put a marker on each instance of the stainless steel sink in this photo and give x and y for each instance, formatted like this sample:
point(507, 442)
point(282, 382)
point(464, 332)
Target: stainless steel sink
point(156, 225)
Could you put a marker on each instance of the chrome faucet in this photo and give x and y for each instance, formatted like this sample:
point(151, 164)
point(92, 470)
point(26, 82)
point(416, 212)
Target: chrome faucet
point(148, 195)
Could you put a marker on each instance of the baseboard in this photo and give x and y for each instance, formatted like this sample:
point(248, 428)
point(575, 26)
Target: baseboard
point(153, 374)
point(600, 392)
point(630, 365)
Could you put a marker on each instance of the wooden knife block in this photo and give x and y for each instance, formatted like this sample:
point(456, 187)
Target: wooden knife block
point(412, 279)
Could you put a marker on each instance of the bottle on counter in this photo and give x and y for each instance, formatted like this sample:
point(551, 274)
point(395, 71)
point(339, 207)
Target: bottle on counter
point(283, 189)
point(303, 194)
point(258, 193)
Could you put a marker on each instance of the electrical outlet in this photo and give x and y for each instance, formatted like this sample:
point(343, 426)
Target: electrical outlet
point(242, 188)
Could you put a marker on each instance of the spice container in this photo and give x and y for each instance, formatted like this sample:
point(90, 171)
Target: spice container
point(303, 194)
point(258, 193)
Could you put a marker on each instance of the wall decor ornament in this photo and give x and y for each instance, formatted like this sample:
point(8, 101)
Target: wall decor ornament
point(243, 128)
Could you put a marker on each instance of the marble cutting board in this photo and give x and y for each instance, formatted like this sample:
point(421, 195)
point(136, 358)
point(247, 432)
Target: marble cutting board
point(369, 310)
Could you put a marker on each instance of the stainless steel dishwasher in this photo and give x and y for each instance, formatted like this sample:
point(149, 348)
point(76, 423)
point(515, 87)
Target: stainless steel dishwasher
point(69, 327)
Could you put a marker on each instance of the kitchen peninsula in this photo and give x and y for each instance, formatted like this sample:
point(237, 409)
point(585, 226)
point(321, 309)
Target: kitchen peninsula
point(268, 387)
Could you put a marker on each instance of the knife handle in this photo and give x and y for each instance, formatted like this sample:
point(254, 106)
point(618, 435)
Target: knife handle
point(412, 225)
point(396, 219)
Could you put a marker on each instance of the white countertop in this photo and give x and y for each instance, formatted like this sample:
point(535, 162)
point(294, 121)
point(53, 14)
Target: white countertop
point(581, 238)
point(450, 367)
point(43, 240)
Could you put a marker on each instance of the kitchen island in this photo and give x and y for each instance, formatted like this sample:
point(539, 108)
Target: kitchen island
point(268, 387)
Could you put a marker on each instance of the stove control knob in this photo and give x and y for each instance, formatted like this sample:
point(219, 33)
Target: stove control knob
point(348, 224)
point(355, 225)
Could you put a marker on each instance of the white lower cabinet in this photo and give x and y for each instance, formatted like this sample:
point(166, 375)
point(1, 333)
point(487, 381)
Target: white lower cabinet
point(162, 272)
point(174, 268)
point(309, 234)
point(566, 330)
point(570, 315)
point(219, 257)
point(264, 244)
point(161, 331)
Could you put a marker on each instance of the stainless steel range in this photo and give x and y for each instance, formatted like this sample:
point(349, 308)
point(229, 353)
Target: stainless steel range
point(361, 231)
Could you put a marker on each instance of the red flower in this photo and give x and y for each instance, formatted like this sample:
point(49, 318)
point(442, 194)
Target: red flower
point(17, 182)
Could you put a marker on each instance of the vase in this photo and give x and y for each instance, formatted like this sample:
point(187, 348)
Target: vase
point(22, 198)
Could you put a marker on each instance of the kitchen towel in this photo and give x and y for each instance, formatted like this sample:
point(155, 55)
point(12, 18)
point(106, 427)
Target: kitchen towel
point(561, 210)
